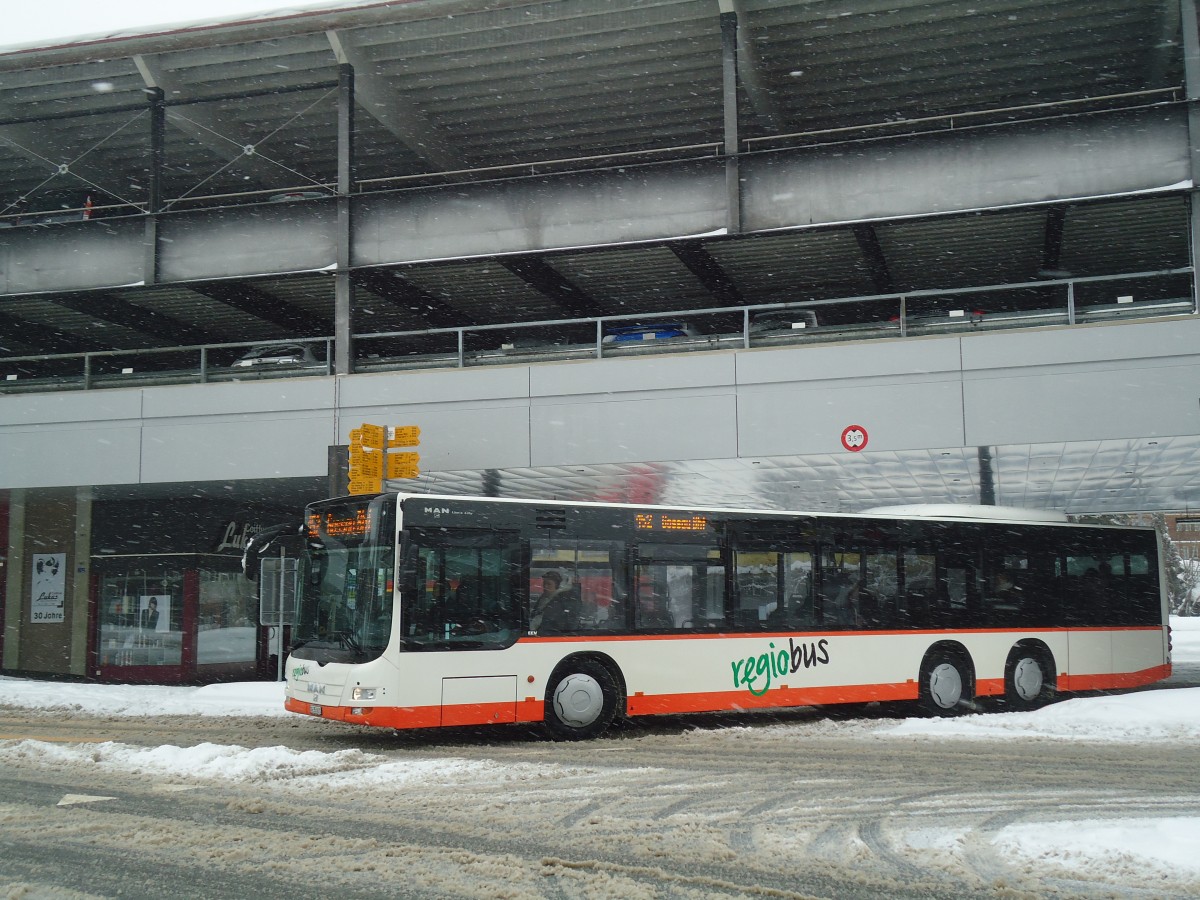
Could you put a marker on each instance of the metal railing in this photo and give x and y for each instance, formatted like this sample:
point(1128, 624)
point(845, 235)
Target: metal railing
point(1044, 303)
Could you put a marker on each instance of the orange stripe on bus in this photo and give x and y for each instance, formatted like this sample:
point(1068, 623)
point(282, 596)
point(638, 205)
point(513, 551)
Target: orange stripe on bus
point(989, 687)
point(531, 709)
point(719, 701)
point(1115, 680)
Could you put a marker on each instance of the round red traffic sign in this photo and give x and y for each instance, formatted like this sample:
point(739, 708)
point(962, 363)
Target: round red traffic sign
point(854, 438)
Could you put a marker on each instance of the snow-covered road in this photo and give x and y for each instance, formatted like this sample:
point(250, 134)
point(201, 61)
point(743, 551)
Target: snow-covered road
point(1094, 796)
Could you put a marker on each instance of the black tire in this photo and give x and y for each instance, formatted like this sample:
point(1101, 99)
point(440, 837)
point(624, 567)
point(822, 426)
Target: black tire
point(581, 700)
point(946, 686)
point(1028, 679)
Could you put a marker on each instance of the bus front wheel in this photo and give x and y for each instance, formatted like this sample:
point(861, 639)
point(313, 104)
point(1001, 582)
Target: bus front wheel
point(945, 687)
point(581, 701)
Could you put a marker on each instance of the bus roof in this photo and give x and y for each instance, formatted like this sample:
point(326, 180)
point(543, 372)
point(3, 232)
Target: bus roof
point(967, 511)
point(954, 511)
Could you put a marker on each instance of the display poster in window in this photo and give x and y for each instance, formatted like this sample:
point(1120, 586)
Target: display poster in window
point(154, 613)
point(49, 588)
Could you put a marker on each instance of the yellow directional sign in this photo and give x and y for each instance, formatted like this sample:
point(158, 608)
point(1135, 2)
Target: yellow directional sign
point(373, 436)
point(370, 461)
point(403, 465)
point(366, 462)
point(405, 436)
point(366, 485)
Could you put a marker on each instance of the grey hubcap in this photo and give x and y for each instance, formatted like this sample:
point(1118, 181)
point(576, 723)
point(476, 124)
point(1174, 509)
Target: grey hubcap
point(578, 700)
point(945, 686)
point(1027, 679)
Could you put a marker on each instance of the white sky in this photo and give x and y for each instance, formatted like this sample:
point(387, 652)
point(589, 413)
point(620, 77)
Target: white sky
point(51, 21)
point(1113, 848)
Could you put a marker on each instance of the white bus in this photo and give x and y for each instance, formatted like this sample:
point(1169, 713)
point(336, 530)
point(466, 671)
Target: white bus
point(422, 611)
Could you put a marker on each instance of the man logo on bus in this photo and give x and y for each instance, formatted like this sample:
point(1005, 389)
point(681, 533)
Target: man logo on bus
point(755, 672)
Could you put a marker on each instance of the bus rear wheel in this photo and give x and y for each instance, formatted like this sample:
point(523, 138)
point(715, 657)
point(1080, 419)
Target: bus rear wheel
point(581, 701)
point(1028, 679)
point(945, 686)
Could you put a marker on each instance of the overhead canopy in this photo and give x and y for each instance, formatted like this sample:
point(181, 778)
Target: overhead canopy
point(468, 90)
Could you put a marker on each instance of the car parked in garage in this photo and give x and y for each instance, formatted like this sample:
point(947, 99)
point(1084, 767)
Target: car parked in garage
point(278, 355)
point(648, 331)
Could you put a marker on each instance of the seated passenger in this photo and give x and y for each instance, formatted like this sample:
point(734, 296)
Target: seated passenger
point(1005, 592)
point(551, 589)
point(840, 594)
point(564, 613)
point(652, 614)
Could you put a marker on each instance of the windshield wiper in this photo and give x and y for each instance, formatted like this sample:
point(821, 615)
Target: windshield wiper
point(349, 641)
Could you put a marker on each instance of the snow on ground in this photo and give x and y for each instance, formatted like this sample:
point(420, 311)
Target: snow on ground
point(1096, 847)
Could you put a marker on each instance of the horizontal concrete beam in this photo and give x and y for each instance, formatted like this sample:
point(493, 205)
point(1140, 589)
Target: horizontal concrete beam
point(1057, 160)
point(1040, 162)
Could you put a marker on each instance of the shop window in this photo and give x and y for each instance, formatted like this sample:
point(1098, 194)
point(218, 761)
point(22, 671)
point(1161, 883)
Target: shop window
point(228, 617)
point(141, 617)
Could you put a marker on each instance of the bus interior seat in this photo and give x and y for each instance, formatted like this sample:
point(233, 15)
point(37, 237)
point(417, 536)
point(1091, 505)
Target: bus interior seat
point(563, 614)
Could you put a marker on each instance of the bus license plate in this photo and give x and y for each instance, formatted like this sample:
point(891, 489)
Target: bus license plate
point(314, 709)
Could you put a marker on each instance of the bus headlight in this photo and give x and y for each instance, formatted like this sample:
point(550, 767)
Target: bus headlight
point(362, 693)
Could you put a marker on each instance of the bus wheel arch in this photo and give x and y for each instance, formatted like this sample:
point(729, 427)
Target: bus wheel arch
point(1029, 675)
point(946, 685)
point(584, 695)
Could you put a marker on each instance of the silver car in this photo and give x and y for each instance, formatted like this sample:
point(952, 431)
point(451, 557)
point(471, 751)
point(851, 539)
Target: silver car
point(278, 355)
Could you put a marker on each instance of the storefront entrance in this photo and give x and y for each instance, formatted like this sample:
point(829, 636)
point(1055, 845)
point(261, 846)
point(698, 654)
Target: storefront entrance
point(181, 615)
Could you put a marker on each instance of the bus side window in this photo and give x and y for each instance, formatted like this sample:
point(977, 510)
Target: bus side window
point(798, 609)
point(1085, 594)
point(678, 587)
point(1141, 589)
point(877, 596)
point(918, 607)
point(756, 574)
point(587, 597)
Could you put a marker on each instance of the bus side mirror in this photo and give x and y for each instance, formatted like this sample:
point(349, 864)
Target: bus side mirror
point(259, 542)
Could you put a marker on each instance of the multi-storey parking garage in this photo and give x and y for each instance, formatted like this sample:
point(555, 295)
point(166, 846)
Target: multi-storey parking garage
point(665, 251)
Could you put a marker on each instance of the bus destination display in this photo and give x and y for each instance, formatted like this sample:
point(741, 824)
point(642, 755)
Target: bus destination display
point(669, 522)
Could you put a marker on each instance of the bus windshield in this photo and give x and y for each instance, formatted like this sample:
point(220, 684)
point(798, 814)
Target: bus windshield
point(346, 608)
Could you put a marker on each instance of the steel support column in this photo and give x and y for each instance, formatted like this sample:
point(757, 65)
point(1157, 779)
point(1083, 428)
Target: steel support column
point(729, 64)
point(343, 285)
point(158, 130)
point(1191, 68)
point(987, 477)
